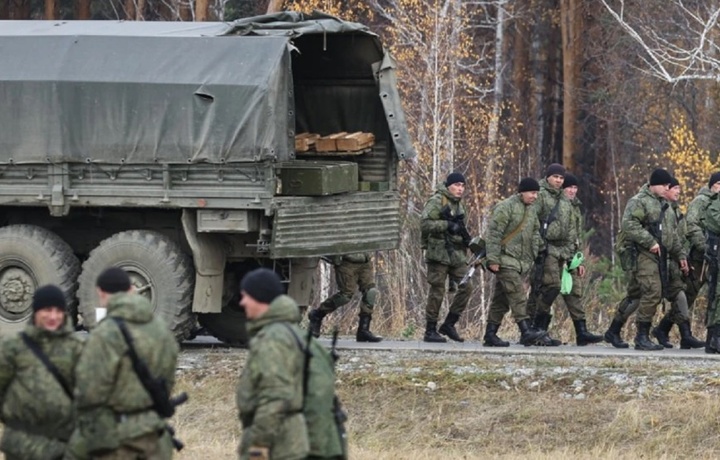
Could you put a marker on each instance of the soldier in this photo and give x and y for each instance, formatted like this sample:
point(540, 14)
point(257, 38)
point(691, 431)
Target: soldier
point(512, 243)
point(575, 226)
point(351, 270)
point(443, 223)
point(270, 390)
point(37, 381)
point(680, 312)
point(646, 241)
point(116, 416)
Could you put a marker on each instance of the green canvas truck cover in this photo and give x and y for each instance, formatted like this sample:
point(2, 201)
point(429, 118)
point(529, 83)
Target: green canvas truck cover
point(154, 92)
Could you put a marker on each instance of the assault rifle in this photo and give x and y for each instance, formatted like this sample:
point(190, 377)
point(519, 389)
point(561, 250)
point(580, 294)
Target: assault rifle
point(711, 258)
point(656, 230)
point(446, 214)
point(163, 404)
point(477, 246)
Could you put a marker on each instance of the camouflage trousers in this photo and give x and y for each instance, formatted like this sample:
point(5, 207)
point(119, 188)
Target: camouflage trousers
point(350, 276)
point(437, 276)
point(644, 291)
point(151, 446)
point(684, 290)
point(21, 445)
point(542, 301)
point(509, 295)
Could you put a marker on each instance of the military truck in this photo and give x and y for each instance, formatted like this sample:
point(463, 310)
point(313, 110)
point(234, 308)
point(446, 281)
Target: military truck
point(169, 149)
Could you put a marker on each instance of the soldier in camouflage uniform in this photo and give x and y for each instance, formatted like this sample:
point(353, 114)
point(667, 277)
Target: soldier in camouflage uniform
point(35, 408)
point(512, 243)
point(115, 411)
point(445, 256)
point(644, 291)
point(712, 229)
point(680, 283)
point(573, 300)
point(351, 270)
point(270, 390)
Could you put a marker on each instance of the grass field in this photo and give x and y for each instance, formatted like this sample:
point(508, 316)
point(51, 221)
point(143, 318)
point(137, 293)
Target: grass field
point(429, 406)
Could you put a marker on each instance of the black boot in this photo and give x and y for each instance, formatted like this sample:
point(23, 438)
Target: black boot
point(528, 335)
point(642, 338)
point(363, 330)
point(687, 341)
point(491, 339)
point(662, 332)
point(582, 336)
point(542, 323)
point(448, 327)
point(613, 337)
point(316, 317)
point(712, 344)
point(431, 334)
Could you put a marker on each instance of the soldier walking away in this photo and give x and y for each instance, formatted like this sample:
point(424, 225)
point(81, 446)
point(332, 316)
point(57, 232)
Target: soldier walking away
point(351, 270)
point(270, 389)
point(680, 283)
point(512, 244)
point(646, 248)
point(445, 240)
point(37, 381)
point(117, 415)
point(573, 300)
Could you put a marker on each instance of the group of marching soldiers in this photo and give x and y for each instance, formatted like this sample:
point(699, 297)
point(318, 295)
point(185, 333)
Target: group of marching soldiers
point(536, 233)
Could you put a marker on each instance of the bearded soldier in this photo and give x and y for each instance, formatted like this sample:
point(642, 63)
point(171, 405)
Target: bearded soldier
point(680, 312)
point(37, 381)
point(443, 226)
point(512, 242)
point(647, 248)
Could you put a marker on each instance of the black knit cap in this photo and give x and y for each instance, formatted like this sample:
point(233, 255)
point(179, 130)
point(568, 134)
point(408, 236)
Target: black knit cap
point(555, 168)
point(528, 184)
point(48, 296)
point(660, 177)
point(714, 179)
point(262, 285)
point(569, 181)
point(113, 280)
point(454, 178)
point(674, 182)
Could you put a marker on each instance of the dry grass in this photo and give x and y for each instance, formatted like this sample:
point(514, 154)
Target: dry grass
point(394, 415)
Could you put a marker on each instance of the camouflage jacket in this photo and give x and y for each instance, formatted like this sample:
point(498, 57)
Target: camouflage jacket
point(680, 222)
point(113, 406)
point(695, 221)
point(520, 251)
point(37, 413)
point(712, 215)
point(643, 210)
point(563, 233)
point(439, 245)
point(270, 390)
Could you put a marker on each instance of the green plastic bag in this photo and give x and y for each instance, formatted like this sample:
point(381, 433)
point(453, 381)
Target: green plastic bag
point(566, 281)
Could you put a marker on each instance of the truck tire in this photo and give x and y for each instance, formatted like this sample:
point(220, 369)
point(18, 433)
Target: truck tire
point(158, 269)
point(31, 256)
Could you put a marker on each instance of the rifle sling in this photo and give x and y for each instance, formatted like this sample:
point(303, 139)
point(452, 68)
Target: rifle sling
point(306, 363)
point(35, 348)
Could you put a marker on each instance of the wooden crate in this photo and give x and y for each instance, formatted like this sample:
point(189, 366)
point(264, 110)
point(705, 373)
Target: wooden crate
point(305, 141)
point(328, 143)
point(355, 141)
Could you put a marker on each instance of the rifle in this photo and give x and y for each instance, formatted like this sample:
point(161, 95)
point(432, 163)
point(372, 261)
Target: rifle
point(477, 246)
point(163, 404)
point(542, 256)
point(656, 230)
point(446, 214)
point(711, 257)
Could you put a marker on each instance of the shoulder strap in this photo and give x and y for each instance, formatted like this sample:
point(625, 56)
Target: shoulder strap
point(515, 231)
point(35, 348)
point(306, 363)
point(138, 365)
point(550, 218)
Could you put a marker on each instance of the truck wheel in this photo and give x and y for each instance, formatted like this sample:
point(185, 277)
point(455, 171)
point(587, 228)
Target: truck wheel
point(227, 326)
point(158, 269)
point(31, 256)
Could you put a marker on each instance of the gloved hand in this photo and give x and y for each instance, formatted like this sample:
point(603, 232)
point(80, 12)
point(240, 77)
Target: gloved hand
point(453, 227)
point(259, 453)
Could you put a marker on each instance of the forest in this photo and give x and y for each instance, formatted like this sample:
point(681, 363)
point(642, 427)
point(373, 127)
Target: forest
point(499, 89)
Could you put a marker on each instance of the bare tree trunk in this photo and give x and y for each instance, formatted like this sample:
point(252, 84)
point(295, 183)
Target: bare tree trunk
point(275, 6)
point(130, 10)
point(82, 10)
point(201, 10)
point(50, 9)
point(17, 9)
point(5, 10)
point(520, 55)
point(571, 26)
point(185, 10)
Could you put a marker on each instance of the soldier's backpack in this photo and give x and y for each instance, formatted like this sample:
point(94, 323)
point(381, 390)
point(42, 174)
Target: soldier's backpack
point(323, 412)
